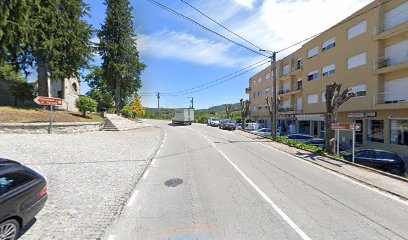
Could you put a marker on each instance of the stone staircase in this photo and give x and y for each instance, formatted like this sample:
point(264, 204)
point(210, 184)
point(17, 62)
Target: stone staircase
point(114, 122)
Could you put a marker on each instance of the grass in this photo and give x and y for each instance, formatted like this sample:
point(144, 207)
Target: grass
point(32, 115)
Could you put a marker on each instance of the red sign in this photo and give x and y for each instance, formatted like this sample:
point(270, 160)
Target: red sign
point(48, 101)
point(346, 126)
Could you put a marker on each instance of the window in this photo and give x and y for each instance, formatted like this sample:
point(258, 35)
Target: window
point(323, 96)
point(259, 107)
point(358, 60)
point(399, 132)
point(360, 90)
point(259, 94)
point(299, 64)
point(328, 70)
point(312, 52)
point(375, 131)
point(396, 16)
point(357, 30)
point(267, 76)
point(254, 108)
point(286, 70)
point(75, 87)
point(259, 80)
point(329, 44)
point(267, 91)
point(253, 94)
point(313, 75)
point(254, 83)
point(10, 181)
point(313, 98)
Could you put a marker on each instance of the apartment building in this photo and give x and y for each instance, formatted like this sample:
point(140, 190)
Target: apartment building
point(367, 52)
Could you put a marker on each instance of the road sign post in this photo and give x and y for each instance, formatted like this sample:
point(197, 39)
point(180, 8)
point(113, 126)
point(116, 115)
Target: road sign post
point(346, 127)
point(49, 101)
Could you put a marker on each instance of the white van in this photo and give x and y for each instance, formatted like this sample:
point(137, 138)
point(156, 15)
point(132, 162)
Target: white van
point(252, 126)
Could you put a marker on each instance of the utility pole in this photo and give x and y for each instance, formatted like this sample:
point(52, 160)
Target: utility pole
point(274, 93)
point(192, 102)
point(158, 104)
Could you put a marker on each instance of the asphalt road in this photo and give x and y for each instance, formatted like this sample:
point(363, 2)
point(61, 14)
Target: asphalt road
point(234, 188)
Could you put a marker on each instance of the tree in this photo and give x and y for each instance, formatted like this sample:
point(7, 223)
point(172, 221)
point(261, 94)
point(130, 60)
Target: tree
point(334, 99)
point(228, 110)
point(23, 91)
point(86, 104)
point(99, 89)
point(121, 66)
point(244, 111)
point(136, 106)
point(271, 109)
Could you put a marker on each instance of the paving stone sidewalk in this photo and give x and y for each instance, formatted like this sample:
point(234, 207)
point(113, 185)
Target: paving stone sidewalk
point(384, 183)
point(90, 176)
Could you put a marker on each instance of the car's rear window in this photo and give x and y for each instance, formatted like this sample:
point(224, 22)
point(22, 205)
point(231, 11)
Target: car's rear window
point(386, 155)
point(10, 181)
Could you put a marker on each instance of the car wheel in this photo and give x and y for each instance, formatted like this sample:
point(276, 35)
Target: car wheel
point(9, 230)
point(396, 171)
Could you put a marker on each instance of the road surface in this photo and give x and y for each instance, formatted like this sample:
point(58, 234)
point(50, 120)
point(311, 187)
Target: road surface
point(225, 186)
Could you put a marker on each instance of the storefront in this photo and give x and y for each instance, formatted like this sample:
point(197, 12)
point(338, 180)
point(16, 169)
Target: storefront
point(312, 124)
point(287, 123)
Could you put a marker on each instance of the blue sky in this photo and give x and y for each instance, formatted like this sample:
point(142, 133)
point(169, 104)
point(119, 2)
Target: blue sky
point(180, 55)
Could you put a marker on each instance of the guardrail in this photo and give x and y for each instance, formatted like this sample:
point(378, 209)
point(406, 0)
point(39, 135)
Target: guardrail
point(293, 88)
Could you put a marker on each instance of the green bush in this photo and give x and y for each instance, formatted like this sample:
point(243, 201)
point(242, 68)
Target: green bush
point(86, 104)
point(127, 111)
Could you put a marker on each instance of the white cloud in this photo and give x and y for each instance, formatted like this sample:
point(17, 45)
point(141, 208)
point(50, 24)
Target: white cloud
point(246, 3)
point(187, 47)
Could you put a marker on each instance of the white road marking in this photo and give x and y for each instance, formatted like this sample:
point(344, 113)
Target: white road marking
point(132, 198)
point(336, 174)
point(111, 237)
point(211, 142)
point(146, 174)
point(267, 199)
point(153, 161)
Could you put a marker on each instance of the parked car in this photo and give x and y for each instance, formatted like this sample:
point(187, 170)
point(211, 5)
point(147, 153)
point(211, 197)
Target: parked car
point(317, 142)
point(299, 137)
point(213, 122)
point(228, 125)
point(222, 121)
point(252, 126)
point(23, 193)
point(263, 131)
point(380, 159)
point(239, 126)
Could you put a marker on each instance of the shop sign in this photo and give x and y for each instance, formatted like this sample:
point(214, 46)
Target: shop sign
point(362, 114)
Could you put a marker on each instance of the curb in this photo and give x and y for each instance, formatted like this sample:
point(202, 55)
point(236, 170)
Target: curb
point(346, 175)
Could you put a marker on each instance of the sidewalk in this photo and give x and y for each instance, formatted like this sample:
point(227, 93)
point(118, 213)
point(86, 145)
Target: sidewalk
point(362, 174)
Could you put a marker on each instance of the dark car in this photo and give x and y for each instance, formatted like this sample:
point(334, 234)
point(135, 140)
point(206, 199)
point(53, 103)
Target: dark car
point(382, 160)
point(23, 194)
point(317, 142)
point(228, 125)
point(299, 137)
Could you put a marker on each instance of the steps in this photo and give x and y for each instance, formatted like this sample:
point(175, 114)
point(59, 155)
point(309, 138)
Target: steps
point(114, 122)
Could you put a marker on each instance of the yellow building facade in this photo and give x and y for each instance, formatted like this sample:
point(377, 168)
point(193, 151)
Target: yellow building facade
point(367, 52)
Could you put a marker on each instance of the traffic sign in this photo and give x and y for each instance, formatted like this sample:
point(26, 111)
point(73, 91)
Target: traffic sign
point(346, 126)
point(48, 101)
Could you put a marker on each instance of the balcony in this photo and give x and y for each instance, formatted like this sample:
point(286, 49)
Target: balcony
point(391, 100)
point(391, 63)
point(387, 29)
point(294, 89)
point(248, 90)
point(290, 109)
point(295, 69)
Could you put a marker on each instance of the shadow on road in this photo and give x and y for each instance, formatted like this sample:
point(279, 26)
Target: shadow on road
point(316, 157)
point(27, 227)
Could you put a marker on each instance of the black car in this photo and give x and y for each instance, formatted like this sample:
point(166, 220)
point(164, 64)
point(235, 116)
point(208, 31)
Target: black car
point(23, 194)
point(383, 160)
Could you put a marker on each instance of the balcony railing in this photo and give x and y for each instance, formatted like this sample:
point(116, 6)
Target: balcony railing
point(296, 67)
point(391, 97)
point(387, 25)
point(293, 108)
point(248, 90)
point(383, 62)
point(293, 88)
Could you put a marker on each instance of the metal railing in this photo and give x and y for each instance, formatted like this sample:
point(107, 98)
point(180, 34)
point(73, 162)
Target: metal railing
point(387, 25)
point(383, 62)
point(296, 67)
point(292, 108)
point(391, 97)
point(247, 90)
point(293, 88)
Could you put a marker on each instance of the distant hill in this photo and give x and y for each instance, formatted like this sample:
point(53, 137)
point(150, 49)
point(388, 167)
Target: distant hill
point(221, 108)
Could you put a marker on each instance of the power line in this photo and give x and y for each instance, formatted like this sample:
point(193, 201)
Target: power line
point(218, 83)
point(219, 24)
point(216, 80)
point(202, 26)
point(336, 25)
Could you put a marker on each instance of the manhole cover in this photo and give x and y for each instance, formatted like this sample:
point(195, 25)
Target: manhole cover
point(174, 182)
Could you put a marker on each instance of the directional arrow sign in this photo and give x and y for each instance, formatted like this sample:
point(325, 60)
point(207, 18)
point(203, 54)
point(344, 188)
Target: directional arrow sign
point(48, 101)
point(346, 126)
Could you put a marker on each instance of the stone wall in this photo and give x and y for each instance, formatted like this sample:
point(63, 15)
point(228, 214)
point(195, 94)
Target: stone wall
point(42, 128)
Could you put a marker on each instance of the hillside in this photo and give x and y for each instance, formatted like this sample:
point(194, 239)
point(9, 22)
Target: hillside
point(221, 108)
